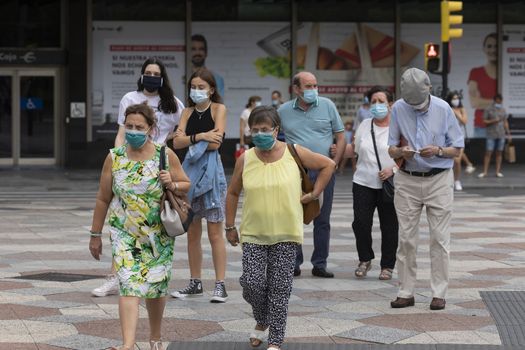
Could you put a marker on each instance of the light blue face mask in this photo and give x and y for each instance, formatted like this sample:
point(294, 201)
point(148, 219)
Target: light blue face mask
point(379, 110)
point(310, 95)
point(498, 105)
point(136, 138)
point(263, 140)
point(199, 96)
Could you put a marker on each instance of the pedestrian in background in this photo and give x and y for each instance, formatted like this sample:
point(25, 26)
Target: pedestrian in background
point(424, 132)
point(497, 127)
point(153, 88)
point(272, 220)
point(277, 99)
point(313, 122)
point(131, 186)
point(368, 183)
point(245, 136)
point(460, 113)
point(349, 136)
point(201, 129)
point(363, 112)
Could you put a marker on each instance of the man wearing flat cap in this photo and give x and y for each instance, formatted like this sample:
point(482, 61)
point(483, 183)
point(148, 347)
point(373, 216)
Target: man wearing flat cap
point(425, 134)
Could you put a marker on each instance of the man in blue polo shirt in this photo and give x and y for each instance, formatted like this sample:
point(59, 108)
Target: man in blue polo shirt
point(425, 133)
point(313, 122)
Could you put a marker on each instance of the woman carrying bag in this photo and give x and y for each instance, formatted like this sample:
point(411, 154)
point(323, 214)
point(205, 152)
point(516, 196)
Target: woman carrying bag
point(374, 167)
point(131, 186)
point(272, 220)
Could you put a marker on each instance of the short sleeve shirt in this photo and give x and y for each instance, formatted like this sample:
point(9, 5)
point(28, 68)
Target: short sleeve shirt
point(245, 115)
point(313, 128)
point(166, 122)
point(496, 130)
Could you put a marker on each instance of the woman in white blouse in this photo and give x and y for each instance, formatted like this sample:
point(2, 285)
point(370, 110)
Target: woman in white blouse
point(367, 187)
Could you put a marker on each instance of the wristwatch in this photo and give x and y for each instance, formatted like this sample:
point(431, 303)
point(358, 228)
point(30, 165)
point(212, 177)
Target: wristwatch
point(440, 152)
point(395, 169)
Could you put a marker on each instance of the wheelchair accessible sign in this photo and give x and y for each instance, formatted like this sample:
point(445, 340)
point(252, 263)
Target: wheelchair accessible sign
point(31, 103)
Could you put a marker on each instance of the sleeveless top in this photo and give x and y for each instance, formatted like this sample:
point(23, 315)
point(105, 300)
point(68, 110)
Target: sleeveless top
point(200, 122)
point(272, 211)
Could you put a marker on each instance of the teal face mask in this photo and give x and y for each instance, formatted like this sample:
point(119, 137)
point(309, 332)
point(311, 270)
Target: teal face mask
point(136, 138)
point(263, 140)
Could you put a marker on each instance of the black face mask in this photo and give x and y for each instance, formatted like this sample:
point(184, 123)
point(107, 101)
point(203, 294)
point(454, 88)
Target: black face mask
point(151, 83)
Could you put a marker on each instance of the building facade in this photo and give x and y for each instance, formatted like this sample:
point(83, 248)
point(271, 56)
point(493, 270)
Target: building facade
point(67, 63)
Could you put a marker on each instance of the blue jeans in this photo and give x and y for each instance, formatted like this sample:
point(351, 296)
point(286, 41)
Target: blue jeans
point(321, 227)
point(495, 144)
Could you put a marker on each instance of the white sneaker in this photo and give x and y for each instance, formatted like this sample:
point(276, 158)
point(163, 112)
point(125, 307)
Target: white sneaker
point(499, 174)
point(470, 169)
point(110, 287)
point(457, 186)
point(482, 175)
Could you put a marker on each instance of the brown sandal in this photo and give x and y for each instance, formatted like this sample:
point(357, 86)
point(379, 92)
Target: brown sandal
point(363, 268)
point(386, 274)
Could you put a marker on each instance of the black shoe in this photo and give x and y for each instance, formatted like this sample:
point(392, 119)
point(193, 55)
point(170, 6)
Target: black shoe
point(322, 272)
point(297, 272)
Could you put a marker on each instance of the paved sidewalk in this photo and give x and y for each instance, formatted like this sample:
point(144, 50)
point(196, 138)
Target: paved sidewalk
point(45, 215)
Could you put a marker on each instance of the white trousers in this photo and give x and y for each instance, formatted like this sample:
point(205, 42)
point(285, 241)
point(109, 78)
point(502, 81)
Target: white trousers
point(436, 193)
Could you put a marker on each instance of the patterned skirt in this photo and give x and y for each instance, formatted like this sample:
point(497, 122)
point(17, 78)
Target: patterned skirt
point(143, 268)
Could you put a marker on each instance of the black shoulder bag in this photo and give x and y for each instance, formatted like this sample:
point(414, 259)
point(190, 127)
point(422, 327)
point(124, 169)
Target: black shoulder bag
point(388, 184)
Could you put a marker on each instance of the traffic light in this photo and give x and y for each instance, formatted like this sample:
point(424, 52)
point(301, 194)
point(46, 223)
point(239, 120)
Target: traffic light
point(447, 7)
point(431, 57)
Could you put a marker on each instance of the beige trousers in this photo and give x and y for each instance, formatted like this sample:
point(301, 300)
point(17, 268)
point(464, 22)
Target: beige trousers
point(436, 193)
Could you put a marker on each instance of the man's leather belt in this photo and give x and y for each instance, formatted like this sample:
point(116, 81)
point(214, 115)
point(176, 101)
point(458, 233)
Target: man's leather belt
point(432, 172)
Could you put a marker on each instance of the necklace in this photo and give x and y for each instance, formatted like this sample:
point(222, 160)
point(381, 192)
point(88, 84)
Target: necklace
point(201, 113)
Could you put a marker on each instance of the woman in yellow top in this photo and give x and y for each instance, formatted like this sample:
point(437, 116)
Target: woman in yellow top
point(272, 220)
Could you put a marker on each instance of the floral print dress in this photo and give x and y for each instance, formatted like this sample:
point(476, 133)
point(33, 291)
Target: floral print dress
point(142, 251)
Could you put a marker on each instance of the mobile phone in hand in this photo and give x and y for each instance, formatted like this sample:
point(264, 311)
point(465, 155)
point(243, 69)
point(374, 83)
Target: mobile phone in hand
point(413, 151)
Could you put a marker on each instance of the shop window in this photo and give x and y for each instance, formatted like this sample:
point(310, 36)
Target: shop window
point(30, 24)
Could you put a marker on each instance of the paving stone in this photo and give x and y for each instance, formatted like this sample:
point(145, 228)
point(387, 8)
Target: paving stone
point(384, 335)
point(82, 342)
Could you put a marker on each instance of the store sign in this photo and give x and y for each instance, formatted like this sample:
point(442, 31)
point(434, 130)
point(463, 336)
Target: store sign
point(32, 57)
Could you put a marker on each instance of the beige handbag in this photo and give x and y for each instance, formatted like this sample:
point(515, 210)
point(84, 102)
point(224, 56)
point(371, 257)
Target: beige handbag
point(175, 211)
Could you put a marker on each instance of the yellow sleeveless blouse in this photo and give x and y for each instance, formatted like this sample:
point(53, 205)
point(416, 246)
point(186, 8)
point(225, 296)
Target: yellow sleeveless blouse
point(272, 211)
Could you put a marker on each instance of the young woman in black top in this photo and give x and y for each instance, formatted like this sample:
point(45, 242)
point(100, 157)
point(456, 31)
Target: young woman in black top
point(204, 120)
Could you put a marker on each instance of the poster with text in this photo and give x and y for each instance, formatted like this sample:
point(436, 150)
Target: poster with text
point(348, 59)
point(119, 50)
point(246, 59)
point(513, 70)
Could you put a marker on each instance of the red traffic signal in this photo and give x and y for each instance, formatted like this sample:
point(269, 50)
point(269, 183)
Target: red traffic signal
point(431, 57)
point(432, 50)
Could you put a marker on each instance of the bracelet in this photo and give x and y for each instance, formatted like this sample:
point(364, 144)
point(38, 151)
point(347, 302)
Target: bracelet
point(95, 234)
point(313, 197)
point(192, 139)
point(176, 185)
point(230, 228)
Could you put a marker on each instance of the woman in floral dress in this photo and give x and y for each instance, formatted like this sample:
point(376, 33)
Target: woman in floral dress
point(131, 187)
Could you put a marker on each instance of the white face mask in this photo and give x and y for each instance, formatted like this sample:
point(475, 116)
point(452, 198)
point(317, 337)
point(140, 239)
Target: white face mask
point(420, 107)
point(454, 102)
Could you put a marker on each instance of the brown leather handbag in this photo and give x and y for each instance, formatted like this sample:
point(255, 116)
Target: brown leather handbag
point(312, 209)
